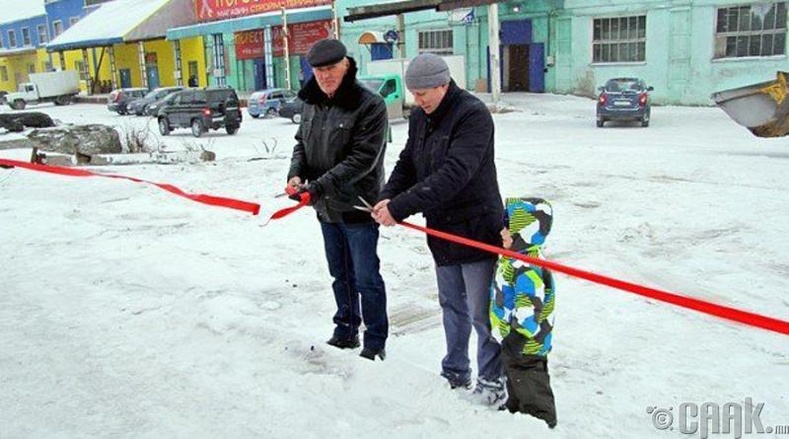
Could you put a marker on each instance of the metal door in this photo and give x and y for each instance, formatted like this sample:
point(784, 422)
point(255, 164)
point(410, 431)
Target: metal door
point(125, 78)
point(152, 73)
point(260, 73)
point(537, 67)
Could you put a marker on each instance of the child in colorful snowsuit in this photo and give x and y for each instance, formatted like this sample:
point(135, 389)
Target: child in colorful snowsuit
point(521, 311)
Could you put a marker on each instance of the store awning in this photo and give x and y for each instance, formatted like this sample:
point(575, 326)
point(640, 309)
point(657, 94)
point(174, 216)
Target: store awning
point(402, 7)
point(124, 21)
point(258, 21)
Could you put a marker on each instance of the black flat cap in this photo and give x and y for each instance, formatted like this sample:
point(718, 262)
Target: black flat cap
point(326, 52)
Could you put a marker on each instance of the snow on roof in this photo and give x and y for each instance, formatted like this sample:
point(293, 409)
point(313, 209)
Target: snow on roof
point(108, 24)
point(14, 10)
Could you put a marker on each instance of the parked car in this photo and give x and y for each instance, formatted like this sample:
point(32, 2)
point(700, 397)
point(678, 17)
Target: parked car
point(201, 110)
point(152, 109)
point(138, 106)
point(119, 99)
point(624, 99)
point(291, 109)
point(267, 102)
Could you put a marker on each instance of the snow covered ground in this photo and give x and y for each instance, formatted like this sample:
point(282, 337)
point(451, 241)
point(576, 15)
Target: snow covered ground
point(126, 311)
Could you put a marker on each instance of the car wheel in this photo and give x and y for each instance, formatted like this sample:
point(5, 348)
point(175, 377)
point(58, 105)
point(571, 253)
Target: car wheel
point(197, 127)
point(231, 129)
point(645, 123)
point(296, 118)
point(600, 123)
point(272, 112)
point(164, 126)
point(254, 116)
point(19, 104)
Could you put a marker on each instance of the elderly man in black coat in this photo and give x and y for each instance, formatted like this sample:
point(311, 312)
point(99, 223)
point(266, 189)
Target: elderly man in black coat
point(446, 172)
point(338, 158)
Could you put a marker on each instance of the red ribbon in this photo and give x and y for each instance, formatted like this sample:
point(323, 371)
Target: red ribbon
point(228, 203)
point(748, 318)
point(733, 314)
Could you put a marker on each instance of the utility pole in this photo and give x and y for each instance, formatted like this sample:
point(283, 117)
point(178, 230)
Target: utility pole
point(495, 60)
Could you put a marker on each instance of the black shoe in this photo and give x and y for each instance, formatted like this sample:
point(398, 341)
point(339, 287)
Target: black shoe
point(456, 381)
point(344, 343)
point(371, 353)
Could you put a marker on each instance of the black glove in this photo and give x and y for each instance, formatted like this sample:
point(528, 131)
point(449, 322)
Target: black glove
point(306, 193)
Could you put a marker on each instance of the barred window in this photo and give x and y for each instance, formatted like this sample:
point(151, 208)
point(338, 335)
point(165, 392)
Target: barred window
point(753, 30)
point(619, 39)
point(11, 39)
point(436, 41)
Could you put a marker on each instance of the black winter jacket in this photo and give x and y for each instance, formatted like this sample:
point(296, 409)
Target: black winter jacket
point(340, 148)
point(447, 172)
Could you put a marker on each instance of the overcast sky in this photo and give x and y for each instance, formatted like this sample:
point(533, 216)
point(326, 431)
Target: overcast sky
point(16, 10)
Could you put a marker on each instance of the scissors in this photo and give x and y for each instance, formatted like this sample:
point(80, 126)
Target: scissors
point(367, 206)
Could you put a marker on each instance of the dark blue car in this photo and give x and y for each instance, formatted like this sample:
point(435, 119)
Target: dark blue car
point(624, 99)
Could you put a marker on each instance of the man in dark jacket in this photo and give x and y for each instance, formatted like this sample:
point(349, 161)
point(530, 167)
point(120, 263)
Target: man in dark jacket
point(446, 171)
point(338, 158)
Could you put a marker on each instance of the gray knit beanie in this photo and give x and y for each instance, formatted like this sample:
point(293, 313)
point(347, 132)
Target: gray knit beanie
point(426, 71)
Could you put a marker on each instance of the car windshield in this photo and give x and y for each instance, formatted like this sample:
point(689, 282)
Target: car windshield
point(623, 84)
point(151, 94)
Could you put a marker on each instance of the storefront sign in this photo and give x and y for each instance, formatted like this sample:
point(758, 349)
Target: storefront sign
point(209, 10)
point(301, 36)
point(249, 44)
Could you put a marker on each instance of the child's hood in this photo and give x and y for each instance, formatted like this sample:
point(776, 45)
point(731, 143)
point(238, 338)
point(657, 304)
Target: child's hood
point(529, 221)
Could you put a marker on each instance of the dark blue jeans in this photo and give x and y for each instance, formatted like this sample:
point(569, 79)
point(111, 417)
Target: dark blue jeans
point(351, 250)
point(464, 296)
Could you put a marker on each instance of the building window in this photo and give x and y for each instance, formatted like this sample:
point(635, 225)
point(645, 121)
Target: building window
point(42, 34)
point(31, 68)
point(57, 28)
point(79, 66)
point(753, 30)
point(26, 41)
point(436, 41)
point(46, 66)
point(72, 21)
point(619, 39)
point(11, 39)
point(3, 73)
